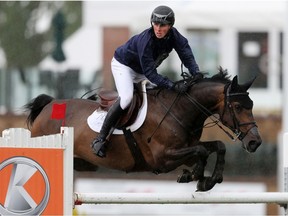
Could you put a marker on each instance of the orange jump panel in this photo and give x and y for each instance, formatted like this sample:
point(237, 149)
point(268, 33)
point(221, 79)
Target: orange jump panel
point(31, 181)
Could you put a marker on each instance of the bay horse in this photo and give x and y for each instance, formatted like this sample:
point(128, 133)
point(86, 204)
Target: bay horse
point(171, 132)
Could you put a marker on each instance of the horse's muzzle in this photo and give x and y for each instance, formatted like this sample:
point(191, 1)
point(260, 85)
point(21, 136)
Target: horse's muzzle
point(252, 140)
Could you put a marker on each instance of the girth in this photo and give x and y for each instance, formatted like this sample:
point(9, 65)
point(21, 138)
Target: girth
point(140, 162)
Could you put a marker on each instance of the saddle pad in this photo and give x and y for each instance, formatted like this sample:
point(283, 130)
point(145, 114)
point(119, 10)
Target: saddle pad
point(96, 119)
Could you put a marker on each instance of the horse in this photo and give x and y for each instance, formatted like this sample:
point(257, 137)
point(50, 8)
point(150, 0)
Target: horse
point(170, 134)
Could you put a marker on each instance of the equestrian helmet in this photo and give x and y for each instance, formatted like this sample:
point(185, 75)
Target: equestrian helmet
point(163, 15)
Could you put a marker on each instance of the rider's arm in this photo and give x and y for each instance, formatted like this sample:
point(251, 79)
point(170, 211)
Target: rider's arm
point(184, 52)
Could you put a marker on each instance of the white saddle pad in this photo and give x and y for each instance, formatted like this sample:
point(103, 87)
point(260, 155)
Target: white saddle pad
point(96, 119)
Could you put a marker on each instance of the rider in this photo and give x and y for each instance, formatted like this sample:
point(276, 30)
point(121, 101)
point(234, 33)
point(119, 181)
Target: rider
point(138, 59)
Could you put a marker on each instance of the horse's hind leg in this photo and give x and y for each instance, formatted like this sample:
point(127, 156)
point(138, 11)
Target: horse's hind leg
point(208, 183)
point(82, 165)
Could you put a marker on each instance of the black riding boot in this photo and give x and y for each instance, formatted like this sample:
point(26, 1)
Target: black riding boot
point(111, 119)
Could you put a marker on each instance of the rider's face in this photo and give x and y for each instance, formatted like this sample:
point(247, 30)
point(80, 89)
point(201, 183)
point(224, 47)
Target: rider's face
point(160, 30)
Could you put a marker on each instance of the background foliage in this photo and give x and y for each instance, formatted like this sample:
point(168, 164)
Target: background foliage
point(23, 42)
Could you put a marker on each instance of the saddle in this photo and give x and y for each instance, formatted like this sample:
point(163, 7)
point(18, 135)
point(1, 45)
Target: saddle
point(108, 97)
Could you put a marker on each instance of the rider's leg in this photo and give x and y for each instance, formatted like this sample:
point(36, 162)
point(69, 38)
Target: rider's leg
point(124, 85)
point(110, 121)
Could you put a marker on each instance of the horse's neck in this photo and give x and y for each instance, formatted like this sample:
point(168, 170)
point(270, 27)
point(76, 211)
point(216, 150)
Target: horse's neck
point(210, 95)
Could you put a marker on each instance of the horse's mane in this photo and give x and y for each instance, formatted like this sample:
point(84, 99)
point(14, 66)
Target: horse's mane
point(221, 76)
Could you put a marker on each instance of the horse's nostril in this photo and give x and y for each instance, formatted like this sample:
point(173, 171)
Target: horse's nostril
point(253, 145)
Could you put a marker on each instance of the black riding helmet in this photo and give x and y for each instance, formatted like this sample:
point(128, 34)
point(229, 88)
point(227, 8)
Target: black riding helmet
point(163, 15)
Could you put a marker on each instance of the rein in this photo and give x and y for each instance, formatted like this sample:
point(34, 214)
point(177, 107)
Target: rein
point(167, 112)
point(237, 133)
point(210, 115)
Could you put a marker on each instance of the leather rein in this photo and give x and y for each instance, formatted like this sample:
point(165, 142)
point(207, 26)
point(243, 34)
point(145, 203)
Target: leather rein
point(238, 134)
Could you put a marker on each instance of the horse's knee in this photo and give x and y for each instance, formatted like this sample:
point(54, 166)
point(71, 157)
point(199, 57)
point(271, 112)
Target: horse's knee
point(201, 152)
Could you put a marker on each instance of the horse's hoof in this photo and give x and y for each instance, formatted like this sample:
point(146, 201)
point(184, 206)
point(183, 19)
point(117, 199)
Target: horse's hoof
point(185, 177)
point(219, 179)
point(206, 184)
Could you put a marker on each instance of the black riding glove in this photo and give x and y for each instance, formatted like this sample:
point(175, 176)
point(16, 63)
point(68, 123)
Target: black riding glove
point(180, 87)
point(198, 76)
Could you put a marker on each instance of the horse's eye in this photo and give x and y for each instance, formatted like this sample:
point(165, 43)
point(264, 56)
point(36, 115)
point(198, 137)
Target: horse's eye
point(238, 108)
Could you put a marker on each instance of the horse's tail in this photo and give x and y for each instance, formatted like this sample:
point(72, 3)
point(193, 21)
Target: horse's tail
point(35, 106)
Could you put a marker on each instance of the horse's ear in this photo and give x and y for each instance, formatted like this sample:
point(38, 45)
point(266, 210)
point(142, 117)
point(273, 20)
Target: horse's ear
point(235, 80)
point(234, 84)
point(244, 87)
point(248, 84)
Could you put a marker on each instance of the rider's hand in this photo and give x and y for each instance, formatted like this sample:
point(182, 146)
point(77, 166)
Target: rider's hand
point(198, 76)
point(180, 87)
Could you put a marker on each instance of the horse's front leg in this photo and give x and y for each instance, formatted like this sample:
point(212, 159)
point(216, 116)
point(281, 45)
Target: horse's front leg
point(208, 183)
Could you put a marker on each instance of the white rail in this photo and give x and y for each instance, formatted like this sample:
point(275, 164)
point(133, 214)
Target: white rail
point(180, 198)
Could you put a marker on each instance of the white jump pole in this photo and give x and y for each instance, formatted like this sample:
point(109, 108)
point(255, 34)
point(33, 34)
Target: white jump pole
point(285, 105)
point(180, 198)
point(285, 168)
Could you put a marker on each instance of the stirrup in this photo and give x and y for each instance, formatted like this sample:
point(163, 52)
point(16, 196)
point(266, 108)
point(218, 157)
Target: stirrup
point(98, 147)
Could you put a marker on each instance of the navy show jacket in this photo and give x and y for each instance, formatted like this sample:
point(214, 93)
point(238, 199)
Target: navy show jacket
point(144, 52)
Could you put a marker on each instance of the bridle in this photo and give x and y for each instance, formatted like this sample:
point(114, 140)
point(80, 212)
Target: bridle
point(227, 105)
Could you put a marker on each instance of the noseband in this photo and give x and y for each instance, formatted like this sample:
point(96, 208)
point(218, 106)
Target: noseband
point(236, 124)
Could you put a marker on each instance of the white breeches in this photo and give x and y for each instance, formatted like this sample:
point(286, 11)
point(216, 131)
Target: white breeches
point(124, 78)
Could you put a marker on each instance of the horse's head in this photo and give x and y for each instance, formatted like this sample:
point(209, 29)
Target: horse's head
point(237, 114)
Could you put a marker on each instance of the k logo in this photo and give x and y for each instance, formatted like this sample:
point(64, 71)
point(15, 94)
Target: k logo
point(18, 201)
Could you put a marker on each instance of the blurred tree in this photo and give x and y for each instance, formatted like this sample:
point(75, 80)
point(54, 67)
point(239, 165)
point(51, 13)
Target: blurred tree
point(59, 24)
point(20, 38)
